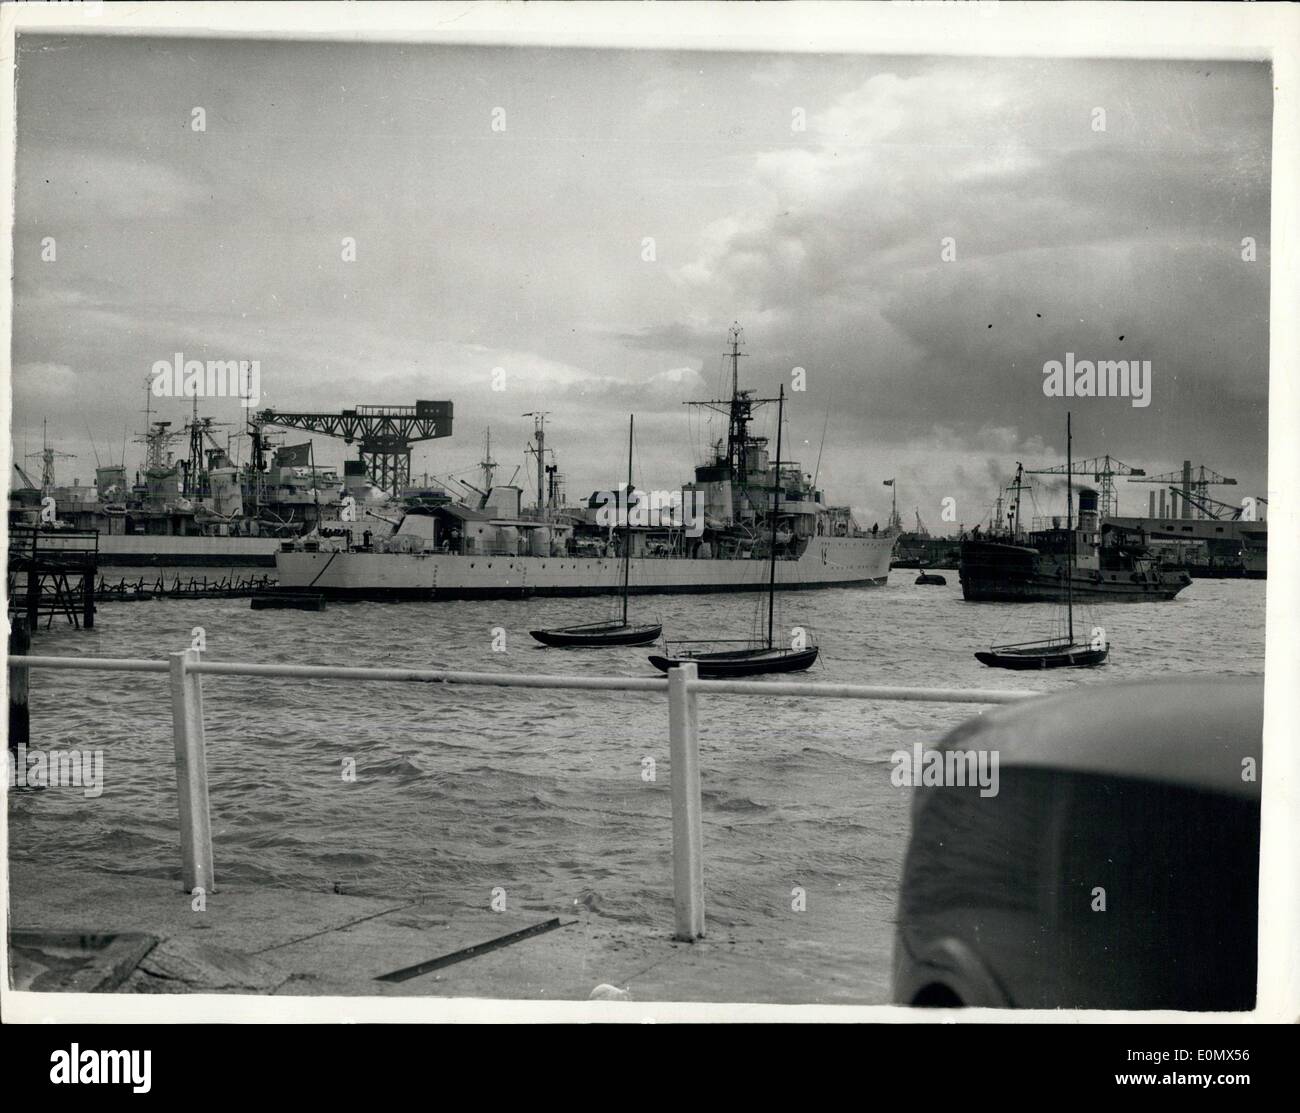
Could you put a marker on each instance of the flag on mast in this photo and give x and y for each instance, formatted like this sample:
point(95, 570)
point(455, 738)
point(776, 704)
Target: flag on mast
point(889, 482)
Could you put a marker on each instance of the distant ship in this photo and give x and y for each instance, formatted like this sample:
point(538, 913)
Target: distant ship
point(203, 510)
point(917, 549)
point(498, 550)
point(1110, 563)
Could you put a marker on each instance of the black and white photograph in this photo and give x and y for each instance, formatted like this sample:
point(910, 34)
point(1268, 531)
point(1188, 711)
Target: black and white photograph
point(630, 512)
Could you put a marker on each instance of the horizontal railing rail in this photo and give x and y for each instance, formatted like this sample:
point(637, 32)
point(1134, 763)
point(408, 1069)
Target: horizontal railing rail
point(682, 684)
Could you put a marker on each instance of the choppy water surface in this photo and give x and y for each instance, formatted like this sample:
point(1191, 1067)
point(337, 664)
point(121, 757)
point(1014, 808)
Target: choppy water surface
point(459, 790)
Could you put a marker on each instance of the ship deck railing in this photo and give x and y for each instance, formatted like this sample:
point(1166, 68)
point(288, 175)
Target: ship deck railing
point(682, 686)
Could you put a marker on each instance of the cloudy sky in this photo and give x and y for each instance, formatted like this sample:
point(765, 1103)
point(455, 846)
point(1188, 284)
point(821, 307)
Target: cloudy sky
point(526, 249)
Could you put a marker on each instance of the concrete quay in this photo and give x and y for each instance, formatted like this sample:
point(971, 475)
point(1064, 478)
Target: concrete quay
point(283, 942)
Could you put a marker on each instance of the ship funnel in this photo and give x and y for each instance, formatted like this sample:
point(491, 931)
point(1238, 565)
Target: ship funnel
point(1088, 509)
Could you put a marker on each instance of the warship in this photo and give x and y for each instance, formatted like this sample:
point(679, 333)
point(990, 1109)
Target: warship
point(203, 509)
point(742, 524)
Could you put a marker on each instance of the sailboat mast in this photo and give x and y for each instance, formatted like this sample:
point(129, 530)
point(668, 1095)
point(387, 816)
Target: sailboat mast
point(1069, 525)
point(776, 500)
point(627, 514)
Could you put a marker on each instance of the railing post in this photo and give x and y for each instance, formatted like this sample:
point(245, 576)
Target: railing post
point(688, 835)
point(191, 774)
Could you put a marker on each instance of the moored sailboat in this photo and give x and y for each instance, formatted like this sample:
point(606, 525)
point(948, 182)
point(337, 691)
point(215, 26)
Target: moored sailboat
point(1054, 653)
point(595, 635)
point(752, 659)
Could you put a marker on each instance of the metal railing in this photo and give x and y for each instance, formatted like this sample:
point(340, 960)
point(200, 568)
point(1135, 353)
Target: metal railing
point(682, 685)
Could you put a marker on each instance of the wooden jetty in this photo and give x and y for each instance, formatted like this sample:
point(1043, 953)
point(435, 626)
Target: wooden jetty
point(52, 572)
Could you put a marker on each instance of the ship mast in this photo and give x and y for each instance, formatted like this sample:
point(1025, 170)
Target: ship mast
point(1017, 486)
point(739, 416)
point(539, 429)
point(1069, 525)
point(627, 514)
point(488, 465)
point(776, 502)
point(739, 410)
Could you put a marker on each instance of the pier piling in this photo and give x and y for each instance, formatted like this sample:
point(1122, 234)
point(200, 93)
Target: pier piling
point(20, 641)
point(191, 773)
point(688, 832)
point(33, 599)
point(88, 600)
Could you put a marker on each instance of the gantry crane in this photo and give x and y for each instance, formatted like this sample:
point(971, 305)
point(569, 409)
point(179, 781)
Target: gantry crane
point(384, 435)
point(1103, 470)
point(1190, 485)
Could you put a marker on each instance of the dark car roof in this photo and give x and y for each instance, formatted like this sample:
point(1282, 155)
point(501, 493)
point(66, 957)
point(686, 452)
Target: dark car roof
point(1193, 731)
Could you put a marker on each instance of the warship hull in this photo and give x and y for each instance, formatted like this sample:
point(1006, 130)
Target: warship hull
point(145, 551)
point(825, 562)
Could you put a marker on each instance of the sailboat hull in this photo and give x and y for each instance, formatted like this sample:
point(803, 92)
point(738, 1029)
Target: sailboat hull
point(740, 662)
point(598, 636)
point(1049, 656)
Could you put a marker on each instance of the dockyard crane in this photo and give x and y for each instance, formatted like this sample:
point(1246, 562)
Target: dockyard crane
point(1190, 485)
point(1103, 470)
point(1213, 508)
point(385, 434)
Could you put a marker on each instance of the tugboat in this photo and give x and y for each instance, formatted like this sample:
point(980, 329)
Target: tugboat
point(1088, 561)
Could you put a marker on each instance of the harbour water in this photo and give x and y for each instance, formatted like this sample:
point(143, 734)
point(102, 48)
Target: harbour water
point(545, 794)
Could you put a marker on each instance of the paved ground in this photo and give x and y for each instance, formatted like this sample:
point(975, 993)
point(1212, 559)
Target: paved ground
point(287, 942)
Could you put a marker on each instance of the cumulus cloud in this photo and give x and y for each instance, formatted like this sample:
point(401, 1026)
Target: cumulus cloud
point(524, 250)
